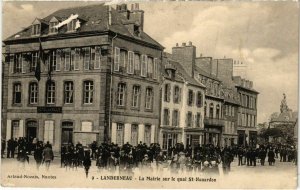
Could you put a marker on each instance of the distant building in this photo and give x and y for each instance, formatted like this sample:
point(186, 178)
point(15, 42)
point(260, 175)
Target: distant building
point(286, 120)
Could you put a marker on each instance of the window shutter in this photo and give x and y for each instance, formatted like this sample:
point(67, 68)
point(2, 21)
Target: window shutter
point(168, 117)
point(178, 120)
point(97, 58)
point(77, 59)
point(58, 60)
point(117, 59)
point(194, 98)
point(169, 92)
point(179, 95)
point(186, 119)
point(24, 63)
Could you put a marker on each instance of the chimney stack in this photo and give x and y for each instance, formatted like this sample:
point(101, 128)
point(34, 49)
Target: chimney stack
point(190, 43)
point(109, 15)
point(136, 6)
point(132, 7)
point(183, 44)
point(176, 44)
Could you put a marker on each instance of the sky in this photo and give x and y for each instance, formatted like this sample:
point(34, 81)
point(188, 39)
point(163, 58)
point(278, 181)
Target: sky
point(263, 35)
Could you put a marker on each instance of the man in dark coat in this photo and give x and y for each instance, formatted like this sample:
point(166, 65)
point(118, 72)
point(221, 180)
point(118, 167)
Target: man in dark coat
point(87, 162)
point(3, 146)
point(9, 147)
point(94, 148)
point(262, 156)
point(271, 157)
point(240, 155)
point(38, 155)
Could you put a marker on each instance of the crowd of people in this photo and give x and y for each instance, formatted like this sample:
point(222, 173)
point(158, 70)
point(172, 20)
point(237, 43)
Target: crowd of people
point(126, 159)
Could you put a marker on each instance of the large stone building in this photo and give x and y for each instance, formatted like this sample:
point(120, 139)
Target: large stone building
point(92, 74)
point(99, 79)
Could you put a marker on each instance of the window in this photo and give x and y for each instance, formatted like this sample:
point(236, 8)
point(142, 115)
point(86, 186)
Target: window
point(167, 92)
point(120, 134)
point(166, 117)
point(72, 25)
point(96, 58)
point(67, 54)
point(190, 97)
point(155, 68)
point(136, 90)
point(134, 135)
point(130, 68)
point(165, 143)
point(211, 110)
point(150, 67)
point(137, 62)
point(17, 93)
point(198, 120)
point(147, 134)
point(121, 94)
point(175, 118)
point(53, 60)
point(88, 94)
point(149, 98)
point(36, 29)
point(117, 59)
point(232, 111)
point(218, 111)
point(68, 92)
point(123, 61)
point(49, 131)
point(76, 58)
point(50, 88)
point(189, 119)
point(34, 61)
point(59, 59)
point(15, 129)
point(33, 93)
point(205, 109)
point(86, 126)
point(53, 29)
point(86, 58)
point(18, 63)
point(144, 66)
point(176, 94)
point(199, 99)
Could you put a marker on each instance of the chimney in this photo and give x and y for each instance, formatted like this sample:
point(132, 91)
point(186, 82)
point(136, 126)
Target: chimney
point(176, 44)
point(186, 56)
point(190, 43)
point(137, 15)
point(122, 9)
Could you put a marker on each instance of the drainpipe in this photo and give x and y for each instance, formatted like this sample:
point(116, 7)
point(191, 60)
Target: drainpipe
point(110, 89)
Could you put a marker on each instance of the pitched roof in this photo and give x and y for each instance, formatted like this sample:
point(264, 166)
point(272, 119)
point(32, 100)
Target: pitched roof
point(285, 116)
point(183, 74)
point(204, 73)
point(94, 18)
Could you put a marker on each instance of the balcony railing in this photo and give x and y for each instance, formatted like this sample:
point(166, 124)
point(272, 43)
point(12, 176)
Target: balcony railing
point(214, 121)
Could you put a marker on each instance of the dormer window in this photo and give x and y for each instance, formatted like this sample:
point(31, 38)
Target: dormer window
point(36, 29)
point(136, 30)
point(53, 29)
point(72, 25)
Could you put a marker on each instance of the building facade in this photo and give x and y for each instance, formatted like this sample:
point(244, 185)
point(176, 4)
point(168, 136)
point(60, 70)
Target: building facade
point(182, 107)
point(98, 56)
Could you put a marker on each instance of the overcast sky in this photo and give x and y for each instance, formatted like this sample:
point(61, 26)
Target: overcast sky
point(264, 35)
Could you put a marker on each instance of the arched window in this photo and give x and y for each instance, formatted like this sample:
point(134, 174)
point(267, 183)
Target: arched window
point(211, 110)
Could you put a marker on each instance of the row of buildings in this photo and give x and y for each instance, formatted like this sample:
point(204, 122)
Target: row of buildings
point(92, 74)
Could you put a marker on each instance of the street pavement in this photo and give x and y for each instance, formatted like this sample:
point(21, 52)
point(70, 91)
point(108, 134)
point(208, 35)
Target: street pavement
point(282, 175)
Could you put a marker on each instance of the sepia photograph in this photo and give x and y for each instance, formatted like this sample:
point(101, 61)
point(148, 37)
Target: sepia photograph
point(149, 94)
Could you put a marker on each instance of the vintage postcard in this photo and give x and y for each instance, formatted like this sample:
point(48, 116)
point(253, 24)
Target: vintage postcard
point(164, 94)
